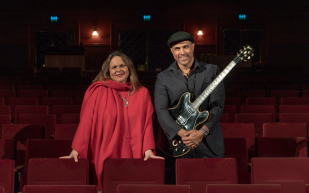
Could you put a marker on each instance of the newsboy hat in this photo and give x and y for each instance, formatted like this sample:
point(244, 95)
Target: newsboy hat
point(179, 36)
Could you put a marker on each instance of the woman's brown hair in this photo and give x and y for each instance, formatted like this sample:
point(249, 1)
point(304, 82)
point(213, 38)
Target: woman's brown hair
point(104, 73)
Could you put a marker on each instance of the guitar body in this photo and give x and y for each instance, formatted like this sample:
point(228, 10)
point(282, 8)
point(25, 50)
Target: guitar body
point(189, 120)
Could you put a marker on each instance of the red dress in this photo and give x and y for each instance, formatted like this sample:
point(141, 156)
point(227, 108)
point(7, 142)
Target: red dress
point(109, 129)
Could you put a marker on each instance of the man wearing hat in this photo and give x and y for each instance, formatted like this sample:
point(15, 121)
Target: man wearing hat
point(186, 74)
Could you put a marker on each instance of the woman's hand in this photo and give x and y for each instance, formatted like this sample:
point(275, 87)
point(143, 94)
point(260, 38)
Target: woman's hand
point(73, 154)
point(149, 154)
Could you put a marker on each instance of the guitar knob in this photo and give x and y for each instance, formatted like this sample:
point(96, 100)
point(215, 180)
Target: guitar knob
point(179, 142)
point(176, 149)
point(183, 150)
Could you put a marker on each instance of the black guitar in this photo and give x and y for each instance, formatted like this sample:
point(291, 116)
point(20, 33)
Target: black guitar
point(187, 114)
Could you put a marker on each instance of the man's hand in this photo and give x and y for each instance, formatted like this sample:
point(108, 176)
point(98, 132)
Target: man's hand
point(192, 138)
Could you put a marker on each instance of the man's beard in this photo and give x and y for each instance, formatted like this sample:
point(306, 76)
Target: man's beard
point(185, 64)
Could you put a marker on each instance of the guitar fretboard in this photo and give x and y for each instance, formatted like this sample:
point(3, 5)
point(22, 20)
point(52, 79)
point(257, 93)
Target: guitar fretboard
point(215, 83)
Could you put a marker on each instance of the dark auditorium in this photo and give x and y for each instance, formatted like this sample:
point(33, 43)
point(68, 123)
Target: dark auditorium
point(165, 96)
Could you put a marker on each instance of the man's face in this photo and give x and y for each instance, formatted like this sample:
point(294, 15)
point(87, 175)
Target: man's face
point(183, 52)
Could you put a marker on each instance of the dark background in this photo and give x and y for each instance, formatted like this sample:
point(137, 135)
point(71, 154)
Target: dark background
point(278, 29)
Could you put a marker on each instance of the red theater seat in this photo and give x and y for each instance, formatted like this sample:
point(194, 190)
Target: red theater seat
point(257, 118)
point(281, 147)
point(7, 149)
point(48, 120)
point(294, 118)
point(152, 188)
point(1, 101)
point(243, 188)
point(237, 148)
point(65, 109)
point(55, 171)
point(131, 171)
point(7, 169)
point(291, 173)
point(4, 119)
point(258, 109)
point(7, 87)
point(5, 94)
point(193, 172)
point(261, 101)
point(13, 101)
point(5, 110)
point(65, 93)
point(21, 133)
point(60, 189)
point(305, 93)
point(231, 110)
point(51, 101)
point(234, 101)
point(27, 88)
point(78, 101)
point(294, 100)
point(231, 90)
point(253, 93)
point(70, 119)
point(37, 148)
point(65, 131)
point(285, 130)
point(50, 88)
point(81, 88)
point(29, 109)
point(239, 130)
point(40, 94)
point(225, 118)
point(283, 93)
point(294, 109)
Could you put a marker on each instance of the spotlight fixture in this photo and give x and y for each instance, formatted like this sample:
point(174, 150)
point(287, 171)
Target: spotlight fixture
point(95, 32)
point(200, 32)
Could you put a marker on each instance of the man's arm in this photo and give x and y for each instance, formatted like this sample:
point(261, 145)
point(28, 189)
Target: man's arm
point(161, 100)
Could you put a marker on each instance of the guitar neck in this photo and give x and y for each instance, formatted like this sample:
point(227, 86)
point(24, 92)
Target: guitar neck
point(214, 84)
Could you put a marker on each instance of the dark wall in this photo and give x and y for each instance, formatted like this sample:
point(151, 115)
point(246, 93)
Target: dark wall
point(280, 24)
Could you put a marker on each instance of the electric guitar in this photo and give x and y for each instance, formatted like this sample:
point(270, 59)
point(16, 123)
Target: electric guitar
point(187, 114)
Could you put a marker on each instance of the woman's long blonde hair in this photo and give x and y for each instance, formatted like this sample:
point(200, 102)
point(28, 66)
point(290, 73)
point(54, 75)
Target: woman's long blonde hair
point(104, 73)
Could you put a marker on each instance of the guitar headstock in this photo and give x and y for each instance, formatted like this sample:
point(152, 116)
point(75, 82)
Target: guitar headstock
point(244, 54)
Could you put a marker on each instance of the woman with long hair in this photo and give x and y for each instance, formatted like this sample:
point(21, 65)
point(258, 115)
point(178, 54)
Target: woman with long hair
point(116, 117)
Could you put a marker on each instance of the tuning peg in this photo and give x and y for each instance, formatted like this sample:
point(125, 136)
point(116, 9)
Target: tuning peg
point(245, 60)
point(252, 54)
point(248, 57)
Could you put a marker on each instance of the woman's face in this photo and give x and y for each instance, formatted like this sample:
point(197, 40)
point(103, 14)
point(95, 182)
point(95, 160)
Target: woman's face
point(118, 70)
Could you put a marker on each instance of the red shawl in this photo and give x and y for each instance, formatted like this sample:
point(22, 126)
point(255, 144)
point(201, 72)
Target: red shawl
point(109, 129)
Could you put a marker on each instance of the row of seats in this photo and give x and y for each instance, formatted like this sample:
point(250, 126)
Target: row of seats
point(38, 91)
point(240, 143)
point(289, 175)
point(56, 107)
point(48, 120)
point(259, 100)
point(259, 119)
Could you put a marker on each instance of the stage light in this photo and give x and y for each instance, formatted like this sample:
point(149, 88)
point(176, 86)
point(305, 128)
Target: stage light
point(95, 32)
